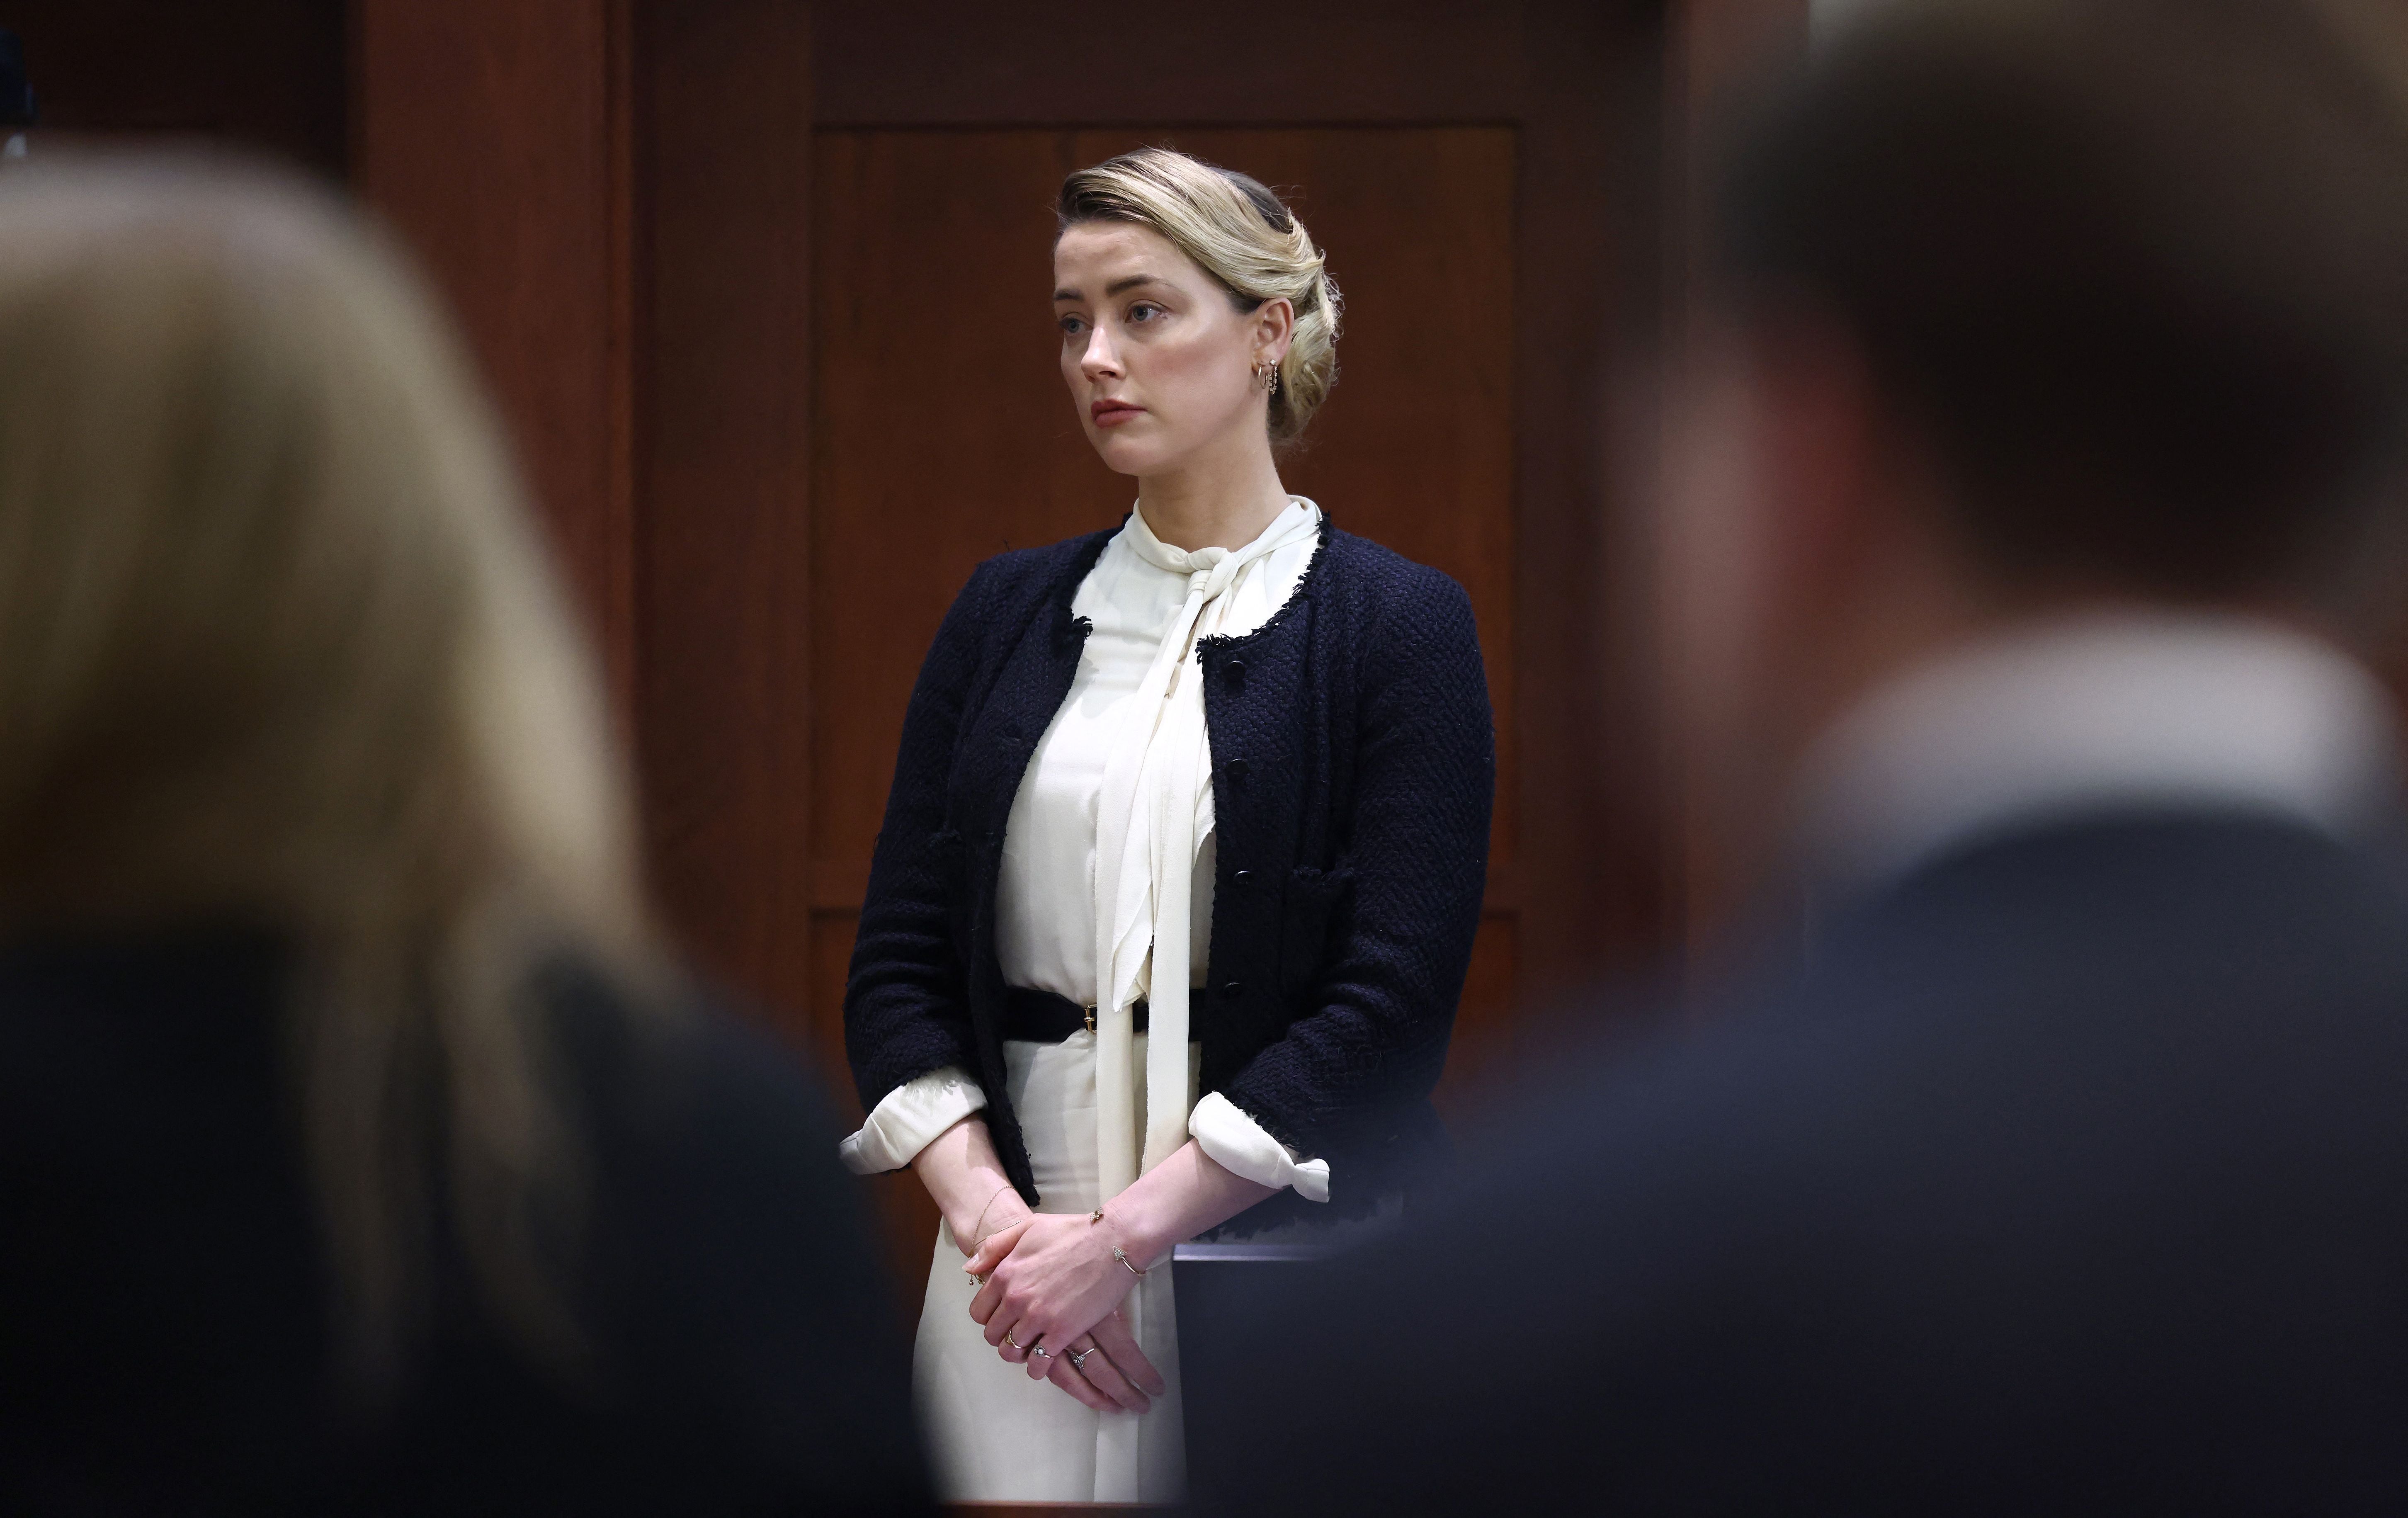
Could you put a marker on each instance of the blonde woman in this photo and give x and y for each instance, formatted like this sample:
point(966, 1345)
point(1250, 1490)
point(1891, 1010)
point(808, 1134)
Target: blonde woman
point(357, 1153)
point(1192, 809)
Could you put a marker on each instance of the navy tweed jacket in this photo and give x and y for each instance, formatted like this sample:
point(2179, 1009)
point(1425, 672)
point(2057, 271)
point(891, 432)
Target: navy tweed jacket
point(1353, 769)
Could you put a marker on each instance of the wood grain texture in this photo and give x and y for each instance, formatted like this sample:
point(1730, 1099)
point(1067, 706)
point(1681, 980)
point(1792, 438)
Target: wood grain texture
point(494, 137)
point(945, 435)
point(958, 62)
point(724, 693)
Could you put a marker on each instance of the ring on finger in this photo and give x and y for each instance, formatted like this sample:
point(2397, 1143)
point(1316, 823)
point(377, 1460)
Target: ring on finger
point(1014, 1342)
point(1079, 1357)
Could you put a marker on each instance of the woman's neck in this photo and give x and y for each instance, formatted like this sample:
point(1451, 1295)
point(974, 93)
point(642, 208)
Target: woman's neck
point(1222, 503)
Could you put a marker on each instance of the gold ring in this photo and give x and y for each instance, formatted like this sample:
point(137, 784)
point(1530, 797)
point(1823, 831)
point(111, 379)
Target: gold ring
point(1014, 1342)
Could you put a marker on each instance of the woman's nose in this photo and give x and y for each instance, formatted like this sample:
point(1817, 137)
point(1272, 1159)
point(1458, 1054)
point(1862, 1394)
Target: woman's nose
point(1100, 360)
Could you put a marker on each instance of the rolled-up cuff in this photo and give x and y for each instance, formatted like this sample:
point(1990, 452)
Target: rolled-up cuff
point(910, 1120)
point(1239, 1145)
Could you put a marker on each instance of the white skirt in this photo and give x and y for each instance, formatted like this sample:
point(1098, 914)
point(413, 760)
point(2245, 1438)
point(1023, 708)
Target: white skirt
point(996, 1435)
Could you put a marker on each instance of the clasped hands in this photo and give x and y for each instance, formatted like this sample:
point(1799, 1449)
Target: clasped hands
point(1049, 1281)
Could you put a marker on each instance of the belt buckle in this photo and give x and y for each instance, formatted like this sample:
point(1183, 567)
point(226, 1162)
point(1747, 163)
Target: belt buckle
point(1091, 1019)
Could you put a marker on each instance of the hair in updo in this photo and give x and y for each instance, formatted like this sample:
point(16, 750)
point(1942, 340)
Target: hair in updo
point(1238, 232)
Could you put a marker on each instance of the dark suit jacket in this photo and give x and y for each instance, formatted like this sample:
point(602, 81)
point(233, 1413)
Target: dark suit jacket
point(1354, 766)
point(163, 1294)
point(2072, 1173)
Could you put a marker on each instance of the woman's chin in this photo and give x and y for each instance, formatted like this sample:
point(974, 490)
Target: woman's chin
point(1129, 456)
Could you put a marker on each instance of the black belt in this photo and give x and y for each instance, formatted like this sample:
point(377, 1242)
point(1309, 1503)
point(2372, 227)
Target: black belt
point(1042, 1017)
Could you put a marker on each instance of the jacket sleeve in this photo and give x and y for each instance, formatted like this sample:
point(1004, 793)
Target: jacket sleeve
point(906, 996)
point(1402, 903)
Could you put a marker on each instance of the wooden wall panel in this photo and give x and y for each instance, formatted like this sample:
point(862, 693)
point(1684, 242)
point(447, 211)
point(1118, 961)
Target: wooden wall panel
point(946, 436)
point(723, 693)
point(497, 139)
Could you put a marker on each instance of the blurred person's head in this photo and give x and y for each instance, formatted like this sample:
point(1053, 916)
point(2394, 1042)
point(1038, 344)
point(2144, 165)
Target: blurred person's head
point(2028, 307)
point(1197, 315)
point(279, 650)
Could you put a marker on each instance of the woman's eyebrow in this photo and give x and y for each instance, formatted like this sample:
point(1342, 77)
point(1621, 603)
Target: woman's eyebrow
point(1131, 282)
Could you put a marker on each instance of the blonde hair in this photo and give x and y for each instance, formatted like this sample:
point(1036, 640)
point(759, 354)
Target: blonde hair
point(278, 647)
point(1240, 233)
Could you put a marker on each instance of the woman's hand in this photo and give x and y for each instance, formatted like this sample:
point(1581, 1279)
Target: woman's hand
point(1106, 1369)
point(1050, 1280)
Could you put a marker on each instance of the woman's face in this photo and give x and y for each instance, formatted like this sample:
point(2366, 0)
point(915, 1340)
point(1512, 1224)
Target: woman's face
point(1159, 361)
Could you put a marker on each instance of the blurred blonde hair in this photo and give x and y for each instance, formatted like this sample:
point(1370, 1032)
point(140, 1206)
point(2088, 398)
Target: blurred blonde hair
point(278, 645)
point(1240, 233)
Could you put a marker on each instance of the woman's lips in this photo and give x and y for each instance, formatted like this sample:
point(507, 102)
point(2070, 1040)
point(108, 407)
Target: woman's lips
point(1112, 413)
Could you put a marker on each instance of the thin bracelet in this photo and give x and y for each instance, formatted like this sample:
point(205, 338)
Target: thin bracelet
point(1118, 1254)
point(982, 1212)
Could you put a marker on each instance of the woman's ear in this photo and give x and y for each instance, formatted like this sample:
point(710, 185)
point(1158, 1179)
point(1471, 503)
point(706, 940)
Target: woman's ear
point(1273, 328)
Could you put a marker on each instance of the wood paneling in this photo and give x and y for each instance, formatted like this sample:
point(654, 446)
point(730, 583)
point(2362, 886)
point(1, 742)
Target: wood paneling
point(958, 62)
point(945, 435)
point(497, 139)
point(724, 693)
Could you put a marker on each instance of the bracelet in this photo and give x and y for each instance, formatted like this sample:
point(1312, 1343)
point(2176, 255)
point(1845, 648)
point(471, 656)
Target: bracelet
point(982, 1212)
point(1118, 1254)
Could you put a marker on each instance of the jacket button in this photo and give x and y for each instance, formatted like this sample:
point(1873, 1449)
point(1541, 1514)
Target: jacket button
point(1236, 669)
point(1235, 769)
point(1232, 991)
point(1243, 877)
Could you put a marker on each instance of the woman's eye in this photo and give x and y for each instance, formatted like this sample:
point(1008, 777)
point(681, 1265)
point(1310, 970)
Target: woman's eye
point(1142, 312)
point(1071, 326)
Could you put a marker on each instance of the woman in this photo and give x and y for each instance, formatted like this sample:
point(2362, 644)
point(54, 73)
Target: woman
point(356, 1151)
point(1198, 806)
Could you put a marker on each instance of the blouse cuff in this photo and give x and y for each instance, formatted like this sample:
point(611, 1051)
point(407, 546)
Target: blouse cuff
point(1239, 1145)
point(910, 1119)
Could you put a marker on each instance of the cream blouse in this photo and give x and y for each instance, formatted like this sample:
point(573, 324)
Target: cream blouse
point(1138, 596)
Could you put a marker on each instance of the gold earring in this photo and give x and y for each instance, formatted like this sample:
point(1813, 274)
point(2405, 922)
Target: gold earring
point(1268, 376)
